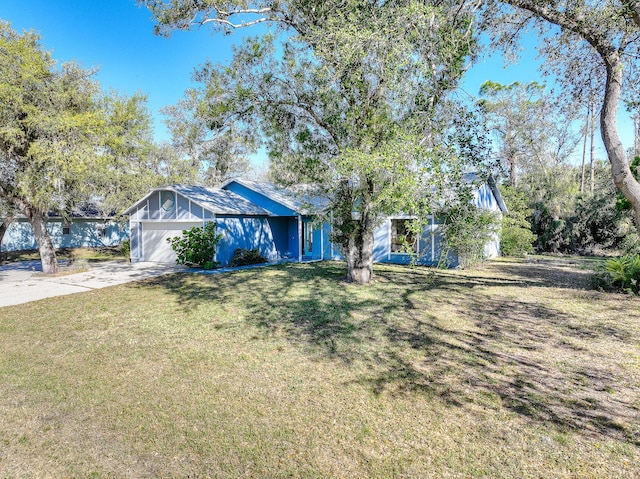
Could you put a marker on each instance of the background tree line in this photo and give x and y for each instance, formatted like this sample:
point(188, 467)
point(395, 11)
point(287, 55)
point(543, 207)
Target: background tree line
point(556, 204)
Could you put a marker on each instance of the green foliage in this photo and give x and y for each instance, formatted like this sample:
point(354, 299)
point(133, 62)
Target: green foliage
point(127, 165)
point(621, 273)
point(51, 125)
point(216, 152)
point(243, 257)
point(197, 246)
point(517, 238)
point(125, 248)
point(466, 230)
point(566, 221)
point(552, 194)
point(623, 203)
point(533, 130)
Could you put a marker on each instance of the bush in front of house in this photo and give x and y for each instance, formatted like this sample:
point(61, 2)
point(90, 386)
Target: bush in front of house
point(466, 231)
point(517, 238)
point(197, 246)
point(125, 248)
point(243, 257)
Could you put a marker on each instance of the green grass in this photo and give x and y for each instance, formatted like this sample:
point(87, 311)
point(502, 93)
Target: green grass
point(514, 370)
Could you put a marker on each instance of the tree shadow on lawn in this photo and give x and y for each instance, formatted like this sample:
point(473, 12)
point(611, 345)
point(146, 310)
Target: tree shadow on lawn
point(557, 273)
point(428, 332)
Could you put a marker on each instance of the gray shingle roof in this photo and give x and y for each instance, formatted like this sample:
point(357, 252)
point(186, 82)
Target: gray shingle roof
point(298, 199)
point(220, 202)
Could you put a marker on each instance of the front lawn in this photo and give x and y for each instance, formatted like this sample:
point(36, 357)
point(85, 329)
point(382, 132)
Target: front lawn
point(514, 370)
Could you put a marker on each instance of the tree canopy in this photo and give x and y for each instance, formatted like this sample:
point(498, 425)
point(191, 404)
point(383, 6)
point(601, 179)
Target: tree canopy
point(351, 100)
point(49, 132)
point(216, 154)
point(535, 132)
point(63, 142)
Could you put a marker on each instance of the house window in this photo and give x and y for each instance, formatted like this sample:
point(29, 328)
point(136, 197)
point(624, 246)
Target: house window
point(402, 238)
point(307, 237)
point(167, 200)
point(66, 228)
point(102, 231)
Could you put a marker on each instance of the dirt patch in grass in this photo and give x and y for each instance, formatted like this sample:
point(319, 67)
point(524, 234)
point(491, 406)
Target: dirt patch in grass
point(516, 369)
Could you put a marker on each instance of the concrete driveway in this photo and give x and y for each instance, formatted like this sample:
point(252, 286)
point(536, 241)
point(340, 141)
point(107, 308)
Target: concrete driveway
point(24, 282)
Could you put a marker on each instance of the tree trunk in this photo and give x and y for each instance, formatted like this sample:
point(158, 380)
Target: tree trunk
point(45, 245)
point(620, 170)
point(636, 134)
point(592, 159)
point(360, 243)
point(513, 174)
point(584, 148)
point(359, 256)
point(3, 229)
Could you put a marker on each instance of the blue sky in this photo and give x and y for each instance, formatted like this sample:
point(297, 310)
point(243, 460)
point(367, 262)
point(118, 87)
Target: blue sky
point(117, 37)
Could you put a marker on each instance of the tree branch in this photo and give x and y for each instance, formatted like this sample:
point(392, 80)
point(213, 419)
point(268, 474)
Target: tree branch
point(633, 8)
point(569, 22)
point(220, 21)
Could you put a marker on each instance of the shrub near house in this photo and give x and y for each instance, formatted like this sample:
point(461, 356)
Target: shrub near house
point(197, 246)
point(243, 257)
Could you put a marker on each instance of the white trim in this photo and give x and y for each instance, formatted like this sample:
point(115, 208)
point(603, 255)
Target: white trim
point(389, 239)
point(300, 245)
point(170, 220)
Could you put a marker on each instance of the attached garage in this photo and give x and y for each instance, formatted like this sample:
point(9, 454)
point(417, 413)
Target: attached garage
point(167, 212)
point(155, 247)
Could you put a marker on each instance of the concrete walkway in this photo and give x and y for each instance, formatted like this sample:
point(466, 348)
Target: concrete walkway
point(24, 282)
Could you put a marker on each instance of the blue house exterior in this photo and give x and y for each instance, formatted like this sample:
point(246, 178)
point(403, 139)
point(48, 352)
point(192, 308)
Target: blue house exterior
point(77, 232)
point(281, 225)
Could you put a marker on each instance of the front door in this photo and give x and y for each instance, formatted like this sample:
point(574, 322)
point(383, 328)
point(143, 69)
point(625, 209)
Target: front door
point(307, 237)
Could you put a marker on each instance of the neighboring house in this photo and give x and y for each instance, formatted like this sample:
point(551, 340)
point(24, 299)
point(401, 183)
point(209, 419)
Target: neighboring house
point(280, 224)
point(85, 228)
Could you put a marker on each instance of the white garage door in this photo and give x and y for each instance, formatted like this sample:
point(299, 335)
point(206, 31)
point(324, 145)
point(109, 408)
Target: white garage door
point(155, 246)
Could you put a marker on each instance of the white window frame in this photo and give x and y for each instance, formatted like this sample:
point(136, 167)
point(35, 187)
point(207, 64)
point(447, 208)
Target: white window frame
point(416, 245)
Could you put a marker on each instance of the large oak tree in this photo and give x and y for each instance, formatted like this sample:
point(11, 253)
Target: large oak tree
point(351, 99)
point(64, 143)
point(49, 123)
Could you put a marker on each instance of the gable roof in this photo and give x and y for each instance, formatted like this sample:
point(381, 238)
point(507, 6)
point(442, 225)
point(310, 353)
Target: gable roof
point(496, 192)
point(216, 200)
point(493, 186)
point(296, 198)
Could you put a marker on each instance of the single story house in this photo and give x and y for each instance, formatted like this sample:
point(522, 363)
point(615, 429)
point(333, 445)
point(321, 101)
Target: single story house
point(248, 214)
point(260, 215)
point(85, 228)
